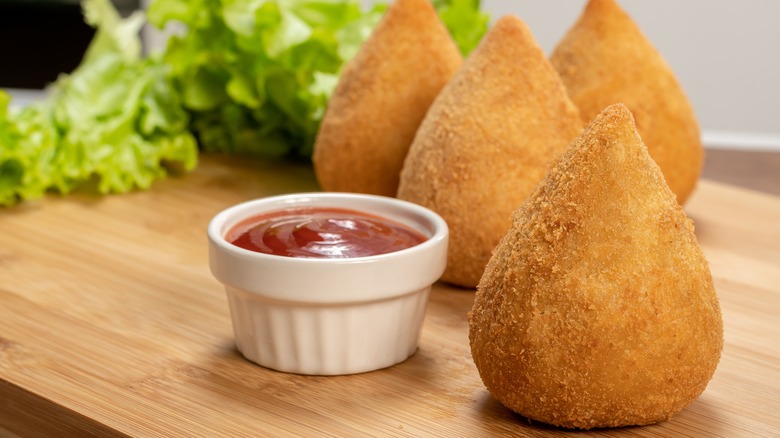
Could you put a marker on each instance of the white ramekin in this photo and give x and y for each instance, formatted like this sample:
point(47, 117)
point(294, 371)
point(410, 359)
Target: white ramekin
point(328, 316)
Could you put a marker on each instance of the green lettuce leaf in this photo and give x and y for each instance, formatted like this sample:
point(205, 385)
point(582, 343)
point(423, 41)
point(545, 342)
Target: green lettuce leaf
point(464, 20)
point(246, 76)
point(27, 147)
point(256, 75)
point(115, 120)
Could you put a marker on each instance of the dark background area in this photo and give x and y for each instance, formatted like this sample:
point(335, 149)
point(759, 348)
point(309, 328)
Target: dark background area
point(39, 39)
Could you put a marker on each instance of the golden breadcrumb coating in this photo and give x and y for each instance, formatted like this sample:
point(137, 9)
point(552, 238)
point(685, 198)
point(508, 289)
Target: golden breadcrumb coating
point(485, 143)
point(604, 59)
point(597, 308)
point(381, 98)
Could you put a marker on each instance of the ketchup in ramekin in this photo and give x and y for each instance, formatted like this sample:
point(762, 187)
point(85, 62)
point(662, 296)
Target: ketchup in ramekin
point(318, 232)
point(323, 315)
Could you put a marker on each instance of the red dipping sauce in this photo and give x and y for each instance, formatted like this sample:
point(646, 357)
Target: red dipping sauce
point(316, 232)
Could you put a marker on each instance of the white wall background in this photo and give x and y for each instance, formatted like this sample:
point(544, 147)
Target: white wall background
point(725, 53)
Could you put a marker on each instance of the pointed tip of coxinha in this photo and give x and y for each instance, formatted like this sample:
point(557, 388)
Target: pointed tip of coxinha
point(609, 167)
point(598, 308)
point(605, 183)
point(509, 23)
point(486, 142)
point(604, 5)
point(410, 6)
point(410, 11)
point(382, 96)
point(606, 58)
point(510, 28)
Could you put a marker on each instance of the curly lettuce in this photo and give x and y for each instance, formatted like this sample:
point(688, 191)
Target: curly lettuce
point(245, 76)
point(116, 120)
point(256, 75)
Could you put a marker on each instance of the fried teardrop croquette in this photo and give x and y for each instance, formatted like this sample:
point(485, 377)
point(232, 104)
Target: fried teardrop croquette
point(381, 98)
point(604, 59)
point(485, 143)
point(597, 308)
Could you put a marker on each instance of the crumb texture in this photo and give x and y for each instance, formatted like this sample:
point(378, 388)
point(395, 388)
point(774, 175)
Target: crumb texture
point(606, 59)
point(597, 308)
point(486, 142)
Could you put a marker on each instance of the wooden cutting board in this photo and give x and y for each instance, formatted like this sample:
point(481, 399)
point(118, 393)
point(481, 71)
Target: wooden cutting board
point(111, 324)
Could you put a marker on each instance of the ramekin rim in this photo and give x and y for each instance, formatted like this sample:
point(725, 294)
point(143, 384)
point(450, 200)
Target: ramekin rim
point(440, 228)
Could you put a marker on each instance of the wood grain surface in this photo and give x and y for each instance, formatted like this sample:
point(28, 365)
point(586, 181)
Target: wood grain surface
point(111, 324)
